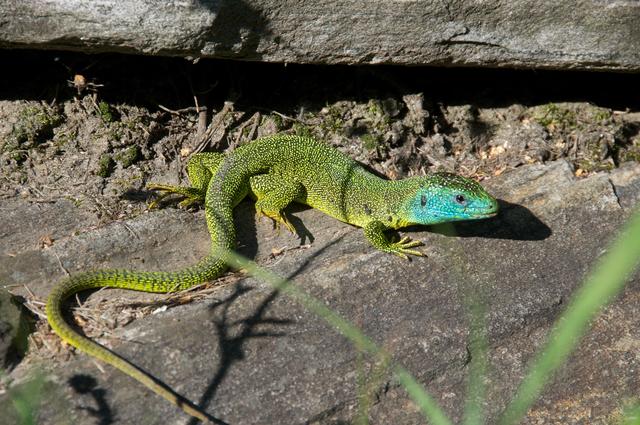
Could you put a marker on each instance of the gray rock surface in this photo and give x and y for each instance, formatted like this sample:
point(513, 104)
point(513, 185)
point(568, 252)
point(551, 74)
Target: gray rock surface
point(585, 34)
point(250, 355)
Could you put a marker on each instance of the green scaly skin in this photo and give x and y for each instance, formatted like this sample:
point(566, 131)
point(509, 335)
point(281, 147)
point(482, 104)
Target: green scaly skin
point(277, 171)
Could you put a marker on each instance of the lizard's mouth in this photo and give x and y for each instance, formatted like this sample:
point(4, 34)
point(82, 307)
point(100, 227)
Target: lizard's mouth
point(487, 214)
point(482, 213)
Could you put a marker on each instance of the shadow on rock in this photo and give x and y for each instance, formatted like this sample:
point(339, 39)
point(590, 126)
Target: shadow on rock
point(16, 324)
point(85, 384)
point(231, 339)
point(512, 222)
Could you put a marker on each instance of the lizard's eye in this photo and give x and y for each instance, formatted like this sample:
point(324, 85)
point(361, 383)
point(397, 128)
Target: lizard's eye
point(461, 199)
point(423, 200)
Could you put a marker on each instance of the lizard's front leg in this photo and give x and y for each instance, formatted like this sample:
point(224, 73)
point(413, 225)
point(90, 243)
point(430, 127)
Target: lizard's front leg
point(374, 232)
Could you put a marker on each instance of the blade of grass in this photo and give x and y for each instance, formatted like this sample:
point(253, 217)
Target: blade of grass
point(632, 416)
point(364, 401)
point(478, 344)
point(26, 398)
point(606, 280)
point(478, 347)
point(428, 406)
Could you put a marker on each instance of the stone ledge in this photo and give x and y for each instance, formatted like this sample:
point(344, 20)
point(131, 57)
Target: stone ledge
point(588, 34)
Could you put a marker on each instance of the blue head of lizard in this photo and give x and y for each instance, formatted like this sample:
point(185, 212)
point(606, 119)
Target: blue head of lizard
point(444, 197)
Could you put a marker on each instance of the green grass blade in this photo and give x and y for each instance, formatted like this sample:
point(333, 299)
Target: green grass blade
point(428, 406)
point(26, 399)
point(478, 347)
point(632, 416)
point(605, 281)
point(364, 400)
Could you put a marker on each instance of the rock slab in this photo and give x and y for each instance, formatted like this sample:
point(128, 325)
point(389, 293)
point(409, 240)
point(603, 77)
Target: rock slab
point(250, 355)
point(584, 34)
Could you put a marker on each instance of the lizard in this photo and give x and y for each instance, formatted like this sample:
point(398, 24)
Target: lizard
point(276, 171)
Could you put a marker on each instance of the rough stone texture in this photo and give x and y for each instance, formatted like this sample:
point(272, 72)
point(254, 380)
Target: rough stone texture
point(586, 34)
point(253, 356)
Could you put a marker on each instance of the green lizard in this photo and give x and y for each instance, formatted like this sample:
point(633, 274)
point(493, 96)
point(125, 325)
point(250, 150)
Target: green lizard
point(277, 171)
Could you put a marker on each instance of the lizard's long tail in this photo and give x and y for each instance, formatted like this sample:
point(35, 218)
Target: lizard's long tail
point(160, 282)
point(225, 181)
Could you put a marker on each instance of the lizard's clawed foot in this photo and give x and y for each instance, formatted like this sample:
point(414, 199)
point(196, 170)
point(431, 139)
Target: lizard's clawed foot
point(402, 248)
point(278, 218)
point(191, 195)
